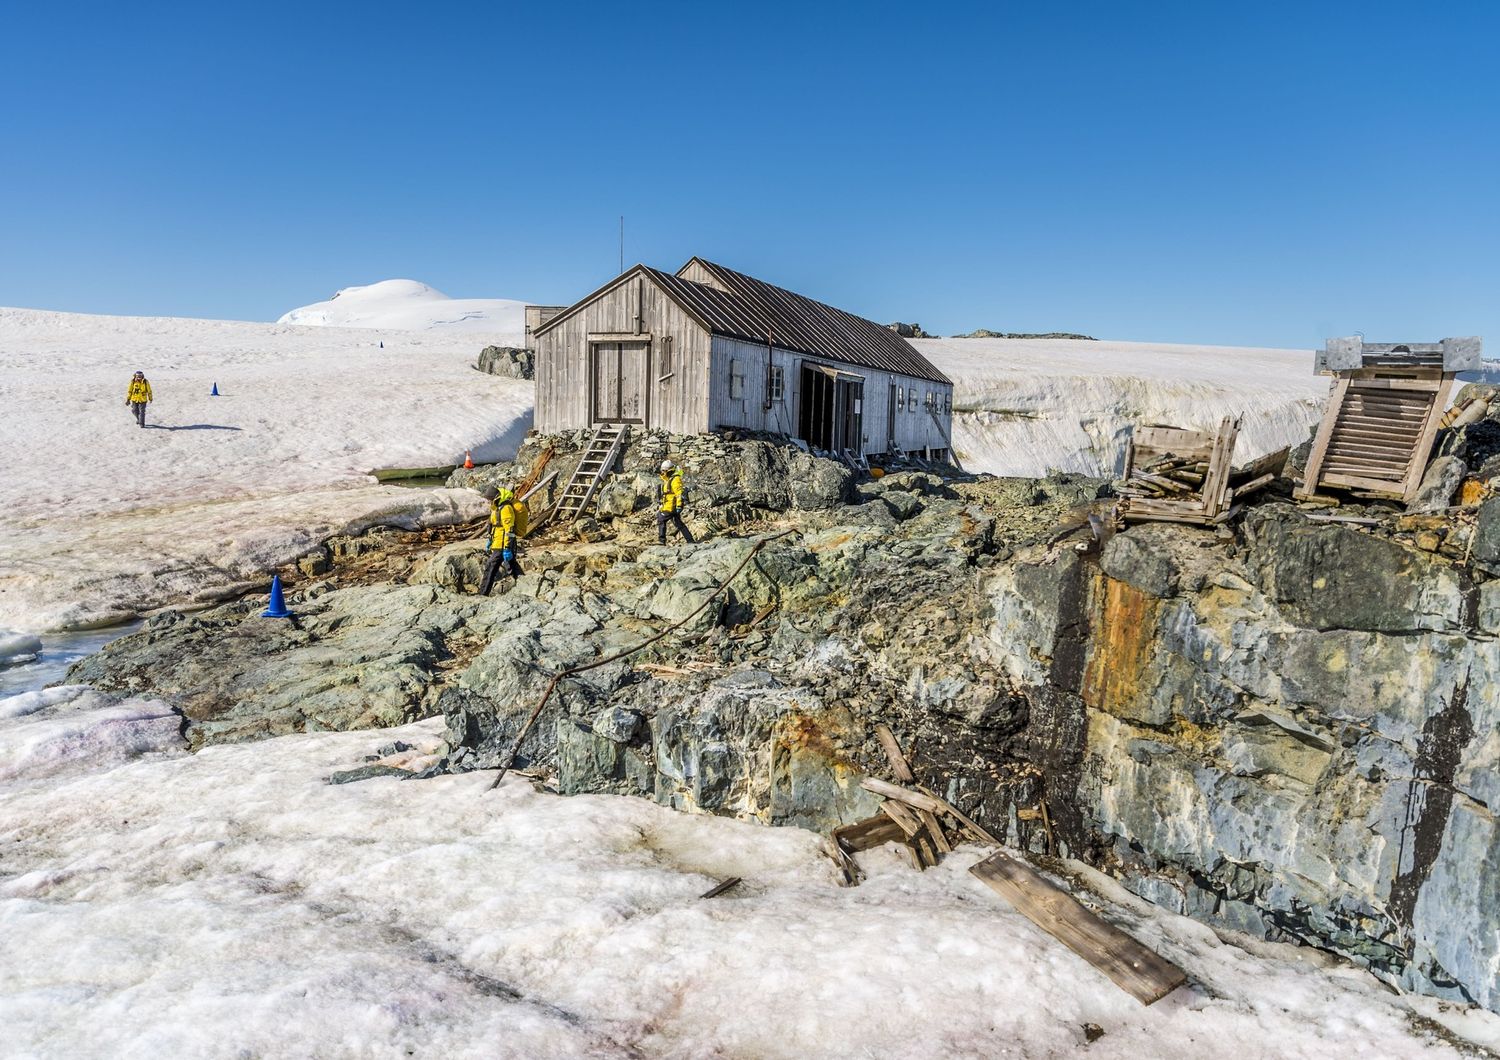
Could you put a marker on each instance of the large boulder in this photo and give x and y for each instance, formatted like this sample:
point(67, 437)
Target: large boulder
point(508, 361)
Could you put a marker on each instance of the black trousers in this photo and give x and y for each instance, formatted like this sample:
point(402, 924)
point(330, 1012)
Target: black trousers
point(675, 518)
point(492, 568)
point(139, 408)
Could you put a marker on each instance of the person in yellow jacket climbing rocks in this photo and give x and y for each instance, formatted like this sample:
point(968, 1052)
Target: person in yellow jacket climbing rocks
point(138, 396)
point(672, 498)
point(507, 527)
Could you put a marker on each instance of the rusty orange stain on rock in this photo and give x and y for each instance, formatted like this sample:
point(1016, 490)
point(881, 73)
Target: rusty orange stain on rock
point(800, 732)
point(1122, 647)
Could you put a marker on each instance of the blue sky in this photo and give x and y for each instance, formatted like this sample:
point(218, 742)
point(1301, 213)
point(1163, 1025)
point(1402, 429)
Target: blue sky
point(1250, 174)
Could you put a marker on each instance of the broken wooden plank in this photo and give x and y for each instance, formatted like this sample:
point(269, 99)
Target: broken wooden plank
point(905, 817)
point(718, 889)
point(867, 834)
point(1251, 486)
point(849, 870)
point(934, 829)
point(920, 800)
point(1143, 974)
point(900, 767)
point(927, 851)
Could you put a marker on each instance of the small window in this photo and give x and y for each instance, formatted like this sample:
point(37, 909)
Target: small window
point(776, 385)
point(927, 401)
point(901, 399)
point(911, 398)
point(664, 366)
point(948, 403)
point(736, 381)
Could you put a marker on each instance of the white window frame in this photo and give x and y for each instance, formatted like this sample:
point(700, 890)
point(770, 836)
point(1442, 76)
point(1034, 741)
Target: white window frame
point(776, 384)
point(736, 381)
point(911, 398)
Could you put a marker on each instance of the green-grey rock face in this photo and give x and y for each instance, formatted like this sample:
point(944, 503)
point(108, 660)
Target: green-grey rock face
point(1299, 738)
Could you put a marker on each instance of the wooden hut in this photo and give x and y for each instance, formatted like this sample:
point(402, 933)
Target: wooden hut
point(708, 348)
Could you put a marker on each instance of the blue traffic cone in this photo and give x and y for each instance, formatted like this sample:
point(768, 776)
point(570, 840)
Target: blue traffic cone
point(215, 391)
point(278, 605)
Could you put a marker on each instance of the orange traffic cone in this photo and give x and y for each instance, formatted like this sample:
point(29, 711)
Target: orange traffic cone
point(468, 459)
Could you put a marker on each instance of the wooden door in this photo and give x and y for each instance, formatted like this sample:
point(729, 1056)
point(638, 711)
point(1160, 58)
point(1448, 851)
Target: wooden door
point(850, 414)
point(618, 378)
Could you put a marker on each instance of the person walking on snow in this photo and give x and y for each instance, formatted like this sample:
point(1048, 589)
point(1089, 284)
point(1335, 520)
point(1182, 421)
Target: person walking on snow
point(508, 526)
point(138, 396)
point(669, 493)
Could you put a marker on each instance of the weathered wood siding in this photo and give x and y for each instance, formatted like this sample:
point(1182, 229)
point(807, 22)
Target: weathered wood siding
point(916, 428)
point(695, 272)
point(677, 400)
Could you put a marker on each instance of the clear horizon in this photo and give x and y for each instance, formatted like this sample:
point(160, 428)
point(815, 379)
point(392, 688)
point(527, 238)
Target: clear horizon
point(1190, 175)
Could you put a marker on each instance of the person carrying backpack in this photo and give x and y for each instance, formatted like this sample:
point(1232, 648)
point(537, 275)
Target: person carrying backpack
point(672, 498)
point(508, 526)
point(138, 396)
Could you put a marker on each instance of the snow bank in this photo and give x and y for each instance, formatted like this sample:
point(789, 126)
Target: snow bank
point(232, 903)
point(1028, 406)
point(16, 648)
point(100, 519)
point(61, 731)
point(407, 305)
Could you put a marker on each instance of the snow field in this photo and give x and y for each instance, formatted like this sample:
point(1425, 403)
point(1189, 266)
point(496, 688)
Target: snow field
point(231, 903)
point(100, 519)
point(1028, 406)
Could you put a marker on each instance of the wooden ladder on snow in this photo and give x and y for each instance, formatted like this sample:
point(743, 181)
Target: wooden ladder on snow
point(594, 466)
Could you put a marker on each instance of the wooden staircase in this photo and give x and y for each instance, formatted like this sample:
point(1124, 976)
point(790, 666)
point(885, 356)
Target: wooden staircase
point(597, 463)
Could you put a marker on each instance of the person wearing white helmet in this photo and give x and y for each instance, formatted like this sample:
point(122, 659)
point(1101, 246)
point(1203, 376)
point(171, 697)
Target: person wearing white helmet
point(507, 527)
point(671, 498)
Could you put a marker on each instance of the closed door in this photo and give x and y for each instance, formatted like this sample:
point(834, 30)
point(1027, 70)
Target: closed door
point(619, 382)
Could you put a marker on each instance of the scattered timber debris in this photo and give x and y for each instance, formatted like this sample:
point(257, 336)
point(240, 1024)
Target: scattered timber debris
point(718, 889)
point(920, 820)
point(1383, 415)
point(1184, 476)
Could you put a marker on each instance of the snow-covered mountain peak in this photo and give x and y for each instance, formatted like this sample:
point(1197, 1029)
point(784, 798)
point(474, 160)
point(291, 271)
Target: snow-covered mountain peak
point(410, 305)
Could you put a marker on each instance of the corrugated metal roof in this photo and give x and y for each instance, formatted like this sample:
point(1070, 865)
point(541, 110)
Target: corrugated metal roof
point(759, 312)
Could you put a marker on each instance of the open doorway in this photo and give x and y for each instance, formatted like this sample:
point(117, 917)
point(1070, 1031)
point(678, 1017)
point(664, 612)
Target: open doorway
point(830, 409)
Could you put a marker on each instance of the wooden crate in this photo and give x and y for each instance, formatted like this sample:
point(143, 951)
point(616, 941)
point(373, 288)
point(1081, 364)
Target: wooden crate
point(1205, 506)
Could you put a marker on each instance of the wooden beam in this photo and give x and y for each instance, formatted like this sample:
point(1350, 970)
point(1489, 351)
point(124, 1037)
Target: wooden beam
point(1144, 975)
point(920, 800)
point(1314, 466)
point(905, 817)
point(871, 832)
point(900, 768)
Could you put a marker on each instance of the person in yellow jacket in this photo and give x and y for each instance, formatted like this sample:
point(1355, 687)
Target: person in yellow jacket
point(507, 527)
point(138, 396)
point(672, 499)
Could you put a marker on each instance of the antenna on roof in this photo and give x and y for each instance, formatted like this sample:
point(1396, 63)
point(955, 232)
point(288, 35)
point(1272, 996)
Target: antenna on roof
point(622, 242)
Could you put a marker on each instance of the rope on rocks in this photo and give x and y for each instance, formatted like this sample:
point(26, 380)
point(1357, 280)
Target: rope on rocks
point(515, 747)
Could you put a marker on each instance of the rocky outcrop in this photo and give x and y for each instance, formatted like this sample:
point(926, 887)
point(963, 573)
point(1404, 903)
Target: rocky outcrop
point(1292, 729)
point(508, 361)
point(728, 480)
